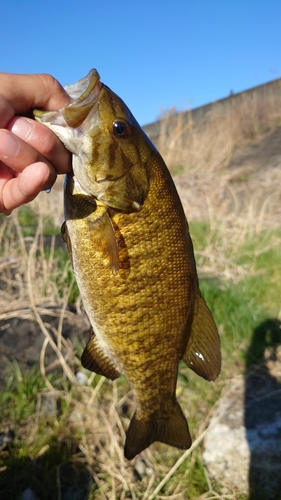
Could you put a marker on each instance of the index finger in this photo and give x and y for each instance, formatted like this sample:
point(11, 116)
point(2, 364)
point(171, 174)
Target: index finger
point(20, 93)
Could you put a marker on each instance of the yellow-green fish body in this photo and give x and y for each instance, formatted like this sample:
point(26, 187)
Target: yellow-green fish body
point(133, 260)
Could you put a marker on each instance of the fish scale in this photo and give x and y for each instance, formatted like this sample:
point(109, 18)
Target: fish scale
point(133, 260)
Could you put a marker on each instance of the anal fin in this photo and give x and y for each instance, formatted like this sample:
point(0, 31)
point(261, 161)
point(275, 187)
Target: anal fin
point(203, 353)
point(95, 359)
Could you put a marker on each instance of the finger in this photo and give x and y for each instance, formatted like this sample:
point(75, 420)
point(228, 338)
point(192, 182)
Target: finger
point(6, 111)
point(24, 92)
point(43, 140)
point(24, 188)
point(16, 153)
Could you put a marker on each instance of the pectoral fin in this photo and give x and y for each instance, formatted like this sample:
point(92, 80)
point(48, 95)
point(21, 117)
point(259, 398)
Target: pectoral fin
point(66, 238)
point(103, 235)
point(95, 359)
point(203, 354)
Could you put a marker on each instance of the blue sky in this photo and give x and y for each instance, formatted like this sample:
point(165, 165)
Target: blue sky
point(154, 54)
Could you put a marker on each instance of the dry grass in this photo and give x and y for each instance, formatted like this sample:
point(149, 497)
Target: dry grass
point(209, 144)
point(236, 211)
point(97, 412)
point(227, 169)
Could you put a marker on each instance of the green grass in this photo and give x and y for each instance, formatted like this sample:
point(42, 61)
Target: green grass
point(18, 400)
point(240, 309)
point(246, 312)
point(54, 254)
point(59, 468)
point(177, 170)
point(28, 220)
point(236, 311)
point(56, 473)
point(63, 275)
point(200, 232)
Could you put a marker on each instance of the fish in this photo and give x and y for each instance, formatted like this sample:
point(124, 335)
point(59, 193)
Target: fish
point(133, 259)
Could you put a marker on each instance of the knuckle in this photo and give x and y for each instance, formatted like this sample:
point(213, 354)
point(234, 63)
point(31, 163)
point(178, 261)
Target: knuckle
point(55, 93)
point(50, 82)
point(48, 143)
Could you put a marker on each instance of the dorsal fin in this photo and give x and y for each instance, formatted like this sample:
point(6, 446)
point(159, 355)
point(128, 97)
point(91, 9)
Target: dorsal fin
point(202, 353)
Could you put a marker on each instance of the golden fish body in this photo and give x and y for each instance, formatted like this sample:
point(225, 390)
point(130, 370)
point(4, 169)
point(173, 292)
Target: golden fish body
point(133, 260)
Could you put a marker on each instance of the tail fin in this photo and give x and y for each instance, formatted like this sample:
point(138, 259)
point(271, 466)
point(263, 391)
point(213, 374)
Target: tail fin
point(172, 430)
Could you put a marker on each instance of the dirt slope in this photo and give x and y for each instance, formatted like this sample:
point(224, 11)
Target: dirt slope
point(249, 187)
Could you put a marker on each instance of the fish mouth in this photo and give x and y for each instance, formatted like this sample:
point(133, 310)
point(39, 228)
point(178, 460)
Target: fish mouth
point(86, 88)
point(84, 95)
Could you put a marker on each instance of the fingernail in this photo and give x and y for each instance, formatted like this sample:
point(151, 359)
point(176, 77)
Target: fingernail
point(9, 146)
point(23, 128)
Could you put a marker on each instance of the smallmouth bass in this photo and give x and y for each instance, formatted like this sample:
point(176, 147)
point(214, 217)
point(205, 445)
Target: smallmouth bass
point(133, 260)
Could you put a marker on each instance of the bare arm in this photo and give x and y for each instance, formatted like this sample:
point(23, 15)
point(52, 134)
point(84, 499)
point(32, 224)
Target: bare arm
point(31, 156)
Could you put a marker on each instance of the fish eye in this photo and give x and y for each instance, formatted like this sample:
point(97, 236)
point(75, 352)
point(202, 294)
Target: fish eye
point(121, 129)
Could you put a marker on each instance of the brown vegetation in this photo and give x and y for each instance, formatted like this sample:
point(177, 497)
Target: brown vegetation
point(226, 181)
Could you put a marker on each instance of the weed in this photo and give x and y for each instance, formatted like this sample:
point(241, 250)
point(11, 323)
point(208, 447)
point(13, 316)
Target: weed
point(209, 143)
point(177, 170)
point(68, 437)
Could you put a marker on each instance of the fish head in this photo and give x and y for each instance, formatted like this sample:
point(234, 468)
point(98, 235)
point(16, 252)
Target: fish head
point(110, 150)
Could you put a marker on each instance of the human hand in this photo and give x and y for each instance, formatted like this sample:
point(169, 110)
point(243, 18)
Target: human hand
point(31, 155)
